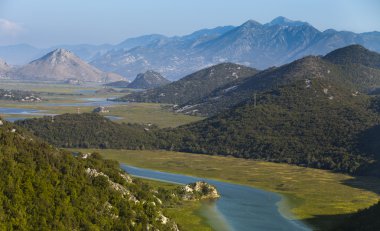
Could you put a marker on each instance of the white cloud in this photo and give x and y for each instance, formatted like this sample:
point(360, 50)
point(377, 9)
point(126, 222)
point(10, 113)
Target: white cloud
point(9, 28)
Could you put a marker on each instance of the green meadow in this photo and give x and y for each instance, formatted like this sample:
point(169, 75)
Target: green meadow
point(318, 197)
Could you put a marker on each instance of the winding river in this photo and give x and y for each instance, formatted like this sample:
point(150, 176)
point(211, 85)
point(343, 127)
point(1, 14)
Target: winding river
point(240, 208)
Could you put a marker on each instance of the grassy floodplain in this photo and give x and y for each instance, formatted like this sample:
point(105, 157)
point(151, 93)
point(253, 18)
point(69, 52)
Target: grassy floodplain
point(68, 94)
point(141, 113)
point(318, 197)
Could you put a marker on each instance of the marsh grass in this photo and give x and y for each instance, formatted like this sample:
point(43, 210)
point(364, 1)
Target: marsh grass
point(308, 194)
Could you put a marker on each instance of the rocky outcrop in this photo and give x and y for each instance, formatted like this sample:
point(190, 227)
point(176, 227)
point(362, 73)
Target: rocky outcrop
point(116, 186)
point(198, 191)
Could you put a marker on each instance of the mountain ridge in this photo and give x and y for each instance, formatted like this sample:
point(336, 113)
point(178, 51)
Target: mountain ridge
point(252, 44)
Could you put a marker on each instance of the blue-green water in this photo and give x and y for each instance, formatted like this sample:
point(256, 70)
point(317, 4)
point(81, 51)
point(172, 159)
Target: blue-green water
point(241, 208)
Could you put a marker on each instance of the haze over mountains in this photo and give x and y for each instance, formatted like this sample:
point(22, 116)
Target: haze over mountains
point(252, 44)
point(4, 68)
point(61, 65)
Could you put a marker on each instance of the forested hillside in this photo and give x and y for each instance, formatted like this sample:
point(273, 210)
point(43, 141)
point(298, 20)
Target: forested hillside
point(44, 188)
point(89, 130)
point(309, 113)
point(364, 220)
point(315, 124)
point(355, 72)
point(194, 86)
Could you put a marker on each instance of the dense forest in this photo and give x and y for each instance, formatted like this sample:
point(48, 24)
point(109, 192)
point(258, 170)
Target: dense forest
point(90, 130)
point(44, 188)
point(364, 220)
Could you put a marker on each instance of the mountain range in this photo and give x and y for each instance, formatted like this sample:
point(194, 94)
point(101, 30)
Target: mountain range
point(61, 65)
point(312, 112)
point(252, 44)
point(354, 67)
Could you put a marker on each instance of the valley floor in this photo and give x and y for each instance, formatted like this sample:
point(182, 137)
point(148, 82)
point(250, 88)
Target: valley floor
point(320, 198)
point(65, 98)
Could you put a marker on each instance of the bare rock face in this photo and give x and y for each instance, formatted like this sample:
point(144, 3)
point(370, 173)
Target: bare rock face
point(198, 191)
point(62, 65)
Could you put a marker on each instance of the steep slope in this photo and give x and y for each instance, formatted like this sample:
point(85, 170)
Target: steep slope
point(60, 65)
point(44, 188)
point(166, 55)
point(149, 79)
point(120, 84)
point(252, 44)
point(261, 46)
point(315, 123)
point(354, 73)
point(354, 54)
point(194, 86)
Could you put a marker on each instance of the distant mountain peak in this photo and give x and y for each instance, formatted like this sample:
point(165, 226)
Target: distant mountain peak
point(148, 79)
point(282, 21)
point(60, 52)
point(251, 23)
point(62, 65)
point(58, 56)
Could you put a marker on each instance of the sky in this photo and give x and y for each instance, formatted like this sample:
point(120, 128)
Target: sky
point(45, 23)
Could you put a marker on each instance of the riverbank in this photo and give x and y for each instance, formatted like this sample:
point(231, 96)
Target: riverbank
point(239, 207)
point(188, 214)
point(319, 197)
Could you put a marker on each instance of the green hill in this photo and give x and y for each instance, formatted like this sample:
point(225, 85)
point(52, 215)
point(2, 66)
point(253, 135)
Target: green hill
point(317, 126)
point(90, 130)
point(354, 54)
point(193, 86)
point(44, 188)
point(358, 74)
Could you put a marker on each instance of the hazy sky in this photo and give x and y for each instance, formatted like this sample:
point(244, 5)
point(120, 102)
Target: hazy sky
point(45, 23)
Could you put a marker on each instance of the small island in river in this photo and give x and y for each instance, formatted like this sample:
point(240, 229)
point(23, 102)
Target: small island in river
point(198, 191)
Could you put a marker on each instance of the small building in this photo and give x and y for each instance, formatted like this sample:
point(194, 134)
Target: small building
point(100, 110)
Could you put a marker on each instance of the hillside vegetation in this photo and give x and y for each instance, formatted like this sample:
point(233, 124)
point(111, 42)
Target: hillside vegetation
point(90, 130)
point(355, 73)
point(364, 220)
point(193, 86)
point(44, 188)
point(308, 113)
